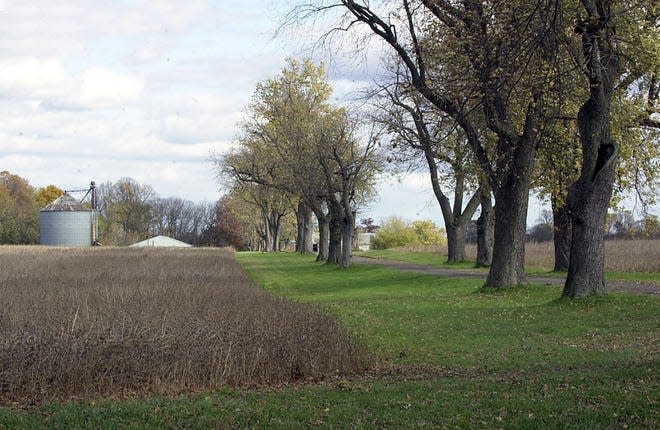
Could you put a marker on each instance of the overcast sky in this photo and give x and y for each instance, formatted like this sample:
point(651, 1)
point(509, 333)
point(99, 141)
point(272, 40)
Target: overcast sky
point(99, 90)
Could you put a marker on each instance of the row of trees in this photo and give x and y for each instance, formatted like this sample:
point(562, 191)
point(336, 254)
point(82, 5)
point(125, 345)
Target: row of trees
point(299, 155)
point(488, 89)
point(130, 211)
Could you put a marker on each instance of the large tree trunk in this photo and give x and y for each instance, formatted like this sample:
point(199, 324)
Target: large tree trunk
point(589, 199)
point(324, 238)
point(511, 202)
point(274, 222)
point(508, 265)
point(455, 242)
point(335, 225)
point(485, 232)
point(561, 234)
point(347, 231)
point(267, 236)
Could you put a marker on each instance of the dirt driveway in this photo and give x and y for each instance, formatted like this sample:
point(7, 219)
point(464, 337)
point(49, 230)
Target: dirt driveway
point(650, 288)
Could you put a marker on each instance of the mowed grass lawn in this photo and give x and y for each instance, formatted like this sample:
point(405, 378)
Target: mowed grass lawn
point(449, 356)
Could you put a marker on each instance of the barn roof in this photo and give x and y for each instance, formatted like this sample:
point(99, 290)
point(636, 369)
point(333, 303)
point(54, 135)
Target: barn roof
point(161, 241)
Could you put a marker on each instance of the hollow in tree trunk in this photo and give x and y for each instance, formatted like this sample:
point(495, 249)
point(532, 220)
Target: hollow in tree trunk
point(589, 197)
point(588, 200)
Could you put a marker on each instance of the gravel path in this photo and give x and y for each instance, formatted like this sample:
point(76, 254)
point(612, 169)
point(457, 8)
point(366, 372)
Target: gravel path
point(650, 288)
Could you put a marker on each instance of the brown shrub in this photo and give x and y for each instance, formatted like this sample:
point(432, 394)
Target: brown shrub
point(113, 321)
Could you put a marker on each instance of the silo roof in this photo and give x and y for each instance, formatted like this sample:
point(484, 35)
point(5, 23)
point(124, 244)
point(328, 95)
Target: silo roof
point(65, 203)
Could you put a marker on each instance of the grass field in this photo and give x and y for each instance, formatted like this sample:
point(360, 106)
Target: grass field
point(448, 356)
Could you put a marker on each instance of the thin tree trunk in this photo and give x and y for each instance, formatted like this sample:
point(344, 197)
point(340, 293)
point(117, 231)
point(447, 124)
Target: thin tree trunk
point(561, 234)
point(300, 225)
point(455, 219)
point(334, 248)
point(485, 225)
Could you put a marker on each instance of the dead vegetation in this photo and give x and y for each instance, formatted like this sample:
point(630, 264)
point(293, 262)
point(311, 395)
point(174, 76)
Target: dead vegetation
point(113, 321)
point(641, 255)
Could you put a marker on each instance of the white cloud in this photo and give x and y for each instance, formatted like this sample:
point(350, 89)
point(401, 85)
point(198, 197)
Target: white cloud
point(102, 87)
point(34, 78)
point(41, 28)
point(48, 81)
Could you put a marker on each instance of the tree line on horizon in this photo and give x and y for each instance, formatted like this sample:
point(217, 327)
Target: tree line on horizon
point(128, 212)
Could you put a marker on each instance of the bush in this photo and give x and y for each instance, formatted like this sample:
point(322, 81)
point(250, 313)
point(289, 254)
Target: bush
point(428, 233)
point(396, 233)
point(542, 232)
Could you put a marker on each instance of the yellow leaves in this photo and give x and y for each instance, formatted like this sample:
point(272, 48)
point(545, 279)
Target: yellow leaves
point(46, 195)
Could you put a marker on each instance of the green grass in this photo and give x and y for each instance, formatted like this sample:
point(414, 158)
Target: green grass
point(417, 257)
point(437, 260)
point(451, 356)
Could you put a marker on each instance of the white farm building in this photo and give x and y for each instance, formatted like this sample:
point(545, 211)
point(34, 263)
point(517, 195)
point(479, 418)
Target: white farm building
point(162, 242)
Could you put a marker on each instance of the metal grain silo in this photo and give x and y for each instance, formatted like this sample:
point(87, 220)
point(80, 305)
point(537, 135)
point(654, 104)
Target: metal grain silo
point(66, 222)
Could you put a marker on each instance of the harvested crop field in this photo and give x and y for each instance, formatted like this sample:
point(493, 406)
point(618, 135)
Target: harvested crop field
point(119, 321)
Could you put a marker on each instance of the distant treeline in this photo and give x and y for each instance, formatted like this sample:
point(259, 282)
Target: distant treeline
point(128, 212)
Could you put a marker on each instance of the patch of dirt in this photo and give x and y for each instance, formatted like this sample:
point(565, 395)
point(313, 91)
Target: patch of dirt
point(649, 288)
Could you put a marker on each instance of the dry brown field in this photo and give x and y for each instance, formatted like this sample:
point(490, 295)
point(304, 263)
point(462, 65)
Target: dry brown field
point(640, 255)
point(124, 321)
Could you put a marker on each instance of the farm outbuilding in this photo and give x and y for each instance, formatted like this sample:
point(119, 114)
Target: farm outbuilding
point(163, 242)
point(66, 222)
